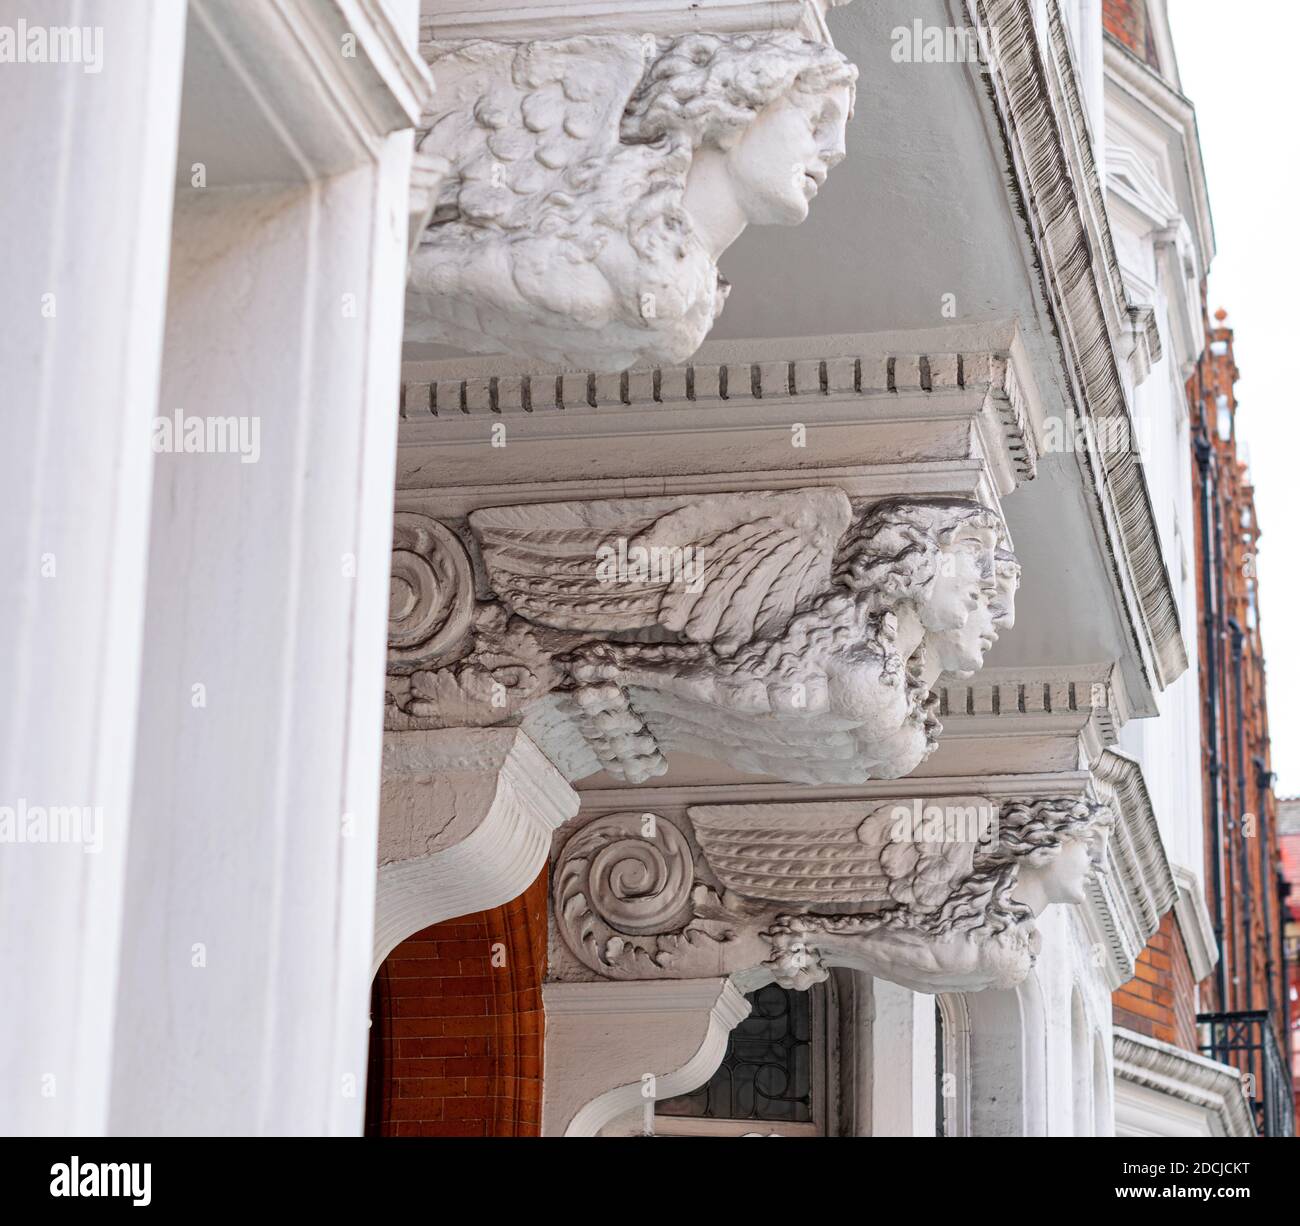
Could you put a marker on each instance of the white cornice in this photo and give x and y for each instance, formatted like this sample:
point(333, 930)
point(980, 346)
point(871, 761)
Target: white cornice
point(1194, 923)
point(1028, 719)
point(1042, 121)
point(942, 412)
point(672, 798)
point(1204, 1084)
point(1127, 900)
point(520, 22)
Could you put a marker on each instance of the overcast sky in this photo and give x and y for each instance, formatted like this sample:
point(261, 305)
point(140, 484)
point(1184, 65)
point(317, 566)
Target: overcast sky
point(1239, 67)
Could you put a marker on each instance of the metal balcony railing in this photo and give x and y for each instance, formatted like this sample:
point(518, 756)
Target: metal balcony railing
point(1248, 1042)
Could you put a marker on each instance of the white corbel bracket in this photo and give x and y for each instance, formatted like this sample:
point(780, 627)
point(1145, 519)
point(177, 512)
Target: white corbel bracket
point(466, 817)
point(603, 1040)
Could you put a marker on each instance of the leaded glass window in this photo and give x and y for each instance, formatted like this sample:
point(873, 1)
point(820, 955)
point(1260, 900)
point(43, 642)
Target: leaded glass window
point(768, 1071)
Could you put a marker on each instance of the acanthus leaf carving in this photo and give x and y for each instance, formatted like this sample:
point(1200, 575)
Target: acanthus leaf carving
point(596, 180)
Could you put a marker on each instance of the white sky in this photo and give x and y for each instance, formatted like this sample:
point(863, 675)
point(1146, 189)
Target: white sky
point(1239, 68)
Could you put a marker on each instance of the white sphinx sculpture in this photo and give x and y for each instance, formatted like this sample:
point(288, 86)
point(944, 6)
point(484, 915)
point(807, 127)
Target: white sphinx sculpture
point(784, 892)
point(594, 182)
point(784, 633)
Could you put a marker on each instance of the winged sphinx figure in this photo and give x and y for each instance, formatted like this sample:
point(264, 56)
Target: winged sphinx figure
point(786, 633)
point(594, 182)
point(784, 892)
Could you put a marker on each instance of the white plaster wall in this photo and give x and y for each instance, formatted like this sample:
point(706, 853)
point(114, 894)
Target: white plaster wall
point(1168, 747)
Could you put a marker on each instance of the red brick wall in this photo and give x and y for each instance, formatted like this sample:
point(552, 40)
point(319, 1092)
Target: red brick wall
point(456, 1027)
point(1127, 22)
point(1234, 749)
point(1159, 1001)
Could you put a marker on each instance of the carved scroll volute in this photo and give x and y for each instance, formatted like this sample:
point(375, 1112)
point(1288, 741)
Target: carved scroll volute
point(627, 903)
point(431, 594)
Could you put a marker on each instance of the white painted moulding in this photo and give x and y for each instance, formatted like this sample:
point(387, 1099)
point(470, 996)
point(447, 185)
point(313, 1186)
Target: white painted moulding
point(442, 20)
point(466, 818)
point(604, 1039)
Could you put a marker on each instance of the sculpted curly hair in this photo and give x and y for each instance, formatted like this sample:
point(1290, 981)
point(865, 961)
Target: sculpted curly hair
point(893, 547)
point(550, 217)
point(708, 89)
point(1033, 832)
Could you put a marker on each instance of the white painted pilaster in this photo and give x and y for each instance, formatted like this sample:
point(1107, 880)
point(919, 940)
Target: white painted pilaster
point(247, 943)
point(87, 213)
point(902, 1062)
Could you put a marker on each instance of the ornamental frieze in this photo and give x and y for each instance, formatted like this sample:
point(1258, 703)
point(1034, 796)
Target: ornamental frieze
point(787, 633)
point(935, 897)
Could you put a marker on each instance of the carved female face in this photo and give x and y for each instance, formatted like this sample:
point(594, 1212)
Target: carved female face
point(780, 163)
point(1008, 581)
point(962, 651)
point(1064, 879)
point(963, 580)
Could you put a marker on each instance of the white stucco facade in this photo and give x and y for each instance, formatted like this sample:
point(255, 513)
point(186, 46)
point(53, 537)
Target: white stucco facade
point(461, 303)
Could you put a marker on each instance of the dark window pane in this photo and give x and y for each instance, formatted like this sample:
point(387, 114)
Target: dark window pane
point(767, 1071)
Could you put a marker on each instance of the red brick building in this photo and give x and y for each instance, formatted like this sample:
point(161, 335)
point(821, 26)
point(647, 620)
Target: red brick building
point(1240, 1014)
point(1288, 837)
point(456, 1027)
point(1129, 22)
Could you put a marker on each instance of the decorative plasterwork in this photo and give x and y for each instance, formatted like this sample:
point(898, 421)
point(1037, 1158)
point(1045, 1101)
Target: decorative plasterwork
point(935, 894)
point(1137, 887)
point(466, 819)
point(1042, 120)
point(786, 633)
point(1153, 95)
point(596, 180)
point(614, 1047)
point(1206, 1086)
point(944, 412)
point(1194, 923)
point(461, 19)
point(1028, 719)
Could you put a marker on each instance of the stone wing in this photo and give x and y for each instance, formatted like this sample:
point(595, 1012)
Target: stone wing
point(834, 853)
point(520, 122)
point(724, 569)
point(799, 853)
